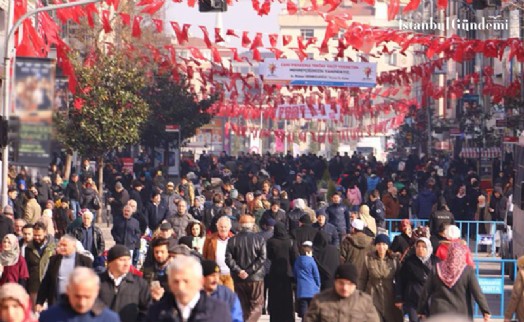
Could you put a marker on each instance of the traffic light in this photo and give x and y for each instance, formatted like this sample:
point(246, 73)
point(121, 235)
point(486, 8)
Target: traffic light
point(13, 130)
point(212, 5)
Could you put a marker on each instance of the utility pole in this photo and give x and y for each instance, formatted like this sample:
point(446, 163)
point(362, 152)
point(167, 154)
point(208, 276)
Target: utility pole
point(9, 54)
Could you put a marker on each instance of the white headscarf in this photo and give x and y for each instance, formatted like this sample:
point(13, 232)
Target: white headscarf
point(429, 247)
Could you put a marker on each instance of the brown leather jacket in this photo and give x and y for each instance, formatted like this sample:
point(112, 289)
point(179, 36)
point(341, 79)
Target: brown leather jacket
point(209, 250)
point(515, 303)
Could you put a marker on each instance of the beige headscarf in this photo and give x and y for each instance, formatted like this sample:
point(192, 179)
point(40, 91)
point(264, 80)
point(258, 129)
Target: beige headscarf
point(16, 292)
point(10, 257)
point(367, 218)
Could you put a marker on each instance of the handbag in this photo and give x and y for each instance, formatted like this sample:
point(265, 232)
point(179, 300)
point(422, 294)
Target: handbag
point(96, 203)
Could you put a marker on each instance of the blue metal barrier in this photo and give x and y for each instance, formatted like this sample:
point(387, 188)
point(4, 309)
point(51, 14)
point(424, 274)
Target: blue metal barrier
point(469, 228)
point(493, 285)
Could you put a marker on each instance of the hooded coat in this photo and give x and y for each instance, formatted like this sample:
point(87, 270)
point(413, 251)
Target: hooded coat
point(354, 249)
point(327, 258)
point(281, 250)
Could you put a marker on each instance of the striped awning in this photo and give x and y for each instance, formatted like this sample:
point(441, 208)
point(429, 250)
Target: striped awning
point(473, 153)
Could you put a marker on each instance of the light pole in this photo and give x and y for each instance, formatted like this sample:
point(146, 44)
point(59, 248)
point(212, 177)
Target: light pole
point(9, 53)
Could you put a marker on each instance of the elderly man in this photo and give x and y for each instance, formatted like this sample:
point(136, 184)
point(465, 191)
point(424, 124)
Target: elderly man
point(123, 292)
point(343, 302)
point(81, 302)
point(60, 267)
point(215, 249)
point(245, 257)
point(91, 237)
point(126, 230)
point(18, 226)
point(220, 292)
point(180, 220)
point(187, 301)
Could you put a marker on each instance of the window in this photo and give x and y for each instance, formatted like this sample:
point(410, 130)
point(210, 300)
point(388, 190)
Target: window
point(339, 35)
point(307, 33)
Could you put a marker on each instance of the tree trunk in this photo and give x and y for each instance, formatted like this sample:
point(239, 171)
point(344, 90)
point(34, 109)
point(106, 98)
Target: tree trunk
point(100, 165)
point(68, 161)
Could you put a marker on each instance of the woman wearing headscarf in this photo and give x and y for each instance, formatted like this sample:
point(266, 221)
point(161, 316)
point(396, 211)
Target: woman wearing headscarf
point(13, 263)
point(412, 276)
point(327, 258)
point(378, 279)
point(516, 302)
point(450, 288)
point(281, 251)
point(401, 243)
point(15, 305)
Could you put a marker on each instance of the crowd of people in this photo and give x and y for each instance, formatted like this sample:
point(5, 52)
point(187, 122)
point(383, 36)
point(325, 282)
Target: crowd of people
point(239, 237)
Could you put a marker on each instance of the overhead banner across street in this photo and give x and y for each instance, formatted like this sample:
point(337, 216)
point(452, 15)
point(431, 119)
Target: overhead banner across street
point(308, 112)
point(318, 73)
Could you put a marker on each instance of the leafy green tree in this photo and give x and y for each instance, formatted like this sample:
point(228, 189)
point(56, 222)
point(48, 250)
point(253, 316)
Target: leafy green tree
point(172, 103)
point(107, 110)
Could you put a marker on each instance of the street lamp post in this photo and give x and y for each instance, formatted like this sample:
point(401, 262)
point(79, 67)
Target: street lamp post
point(9, 52)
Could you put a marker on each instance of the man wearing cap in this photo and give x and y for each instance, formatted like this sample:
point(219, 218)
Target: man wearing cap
point(6, 223)
point(338, 215)
point(276, 213)
point(118, 200)
point(344, 302)
point(215, 249)
point(220, 292)
point(356, 246)
point(123, 292)
point(165, 231)
point(245, 257)
point(328, 228)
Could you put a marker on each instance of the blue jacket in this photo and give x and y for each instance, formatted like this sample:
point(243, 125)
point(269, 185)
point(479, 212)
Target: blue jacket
point(338, 216)
point(423, 205)
point(224, 294)
point(126, 232)
point(308, 277)
point(331, 231)
point(373, 182)
point(63, 312)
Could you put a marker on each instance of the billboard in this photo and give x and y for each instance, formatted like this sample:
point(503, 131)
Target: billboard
point(316, 112)
point(34, 100)
point(318, 73)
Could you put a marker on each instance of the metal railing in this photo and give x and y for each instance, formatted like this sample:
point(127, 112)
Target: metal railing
point(470, 231)
point(492, 279)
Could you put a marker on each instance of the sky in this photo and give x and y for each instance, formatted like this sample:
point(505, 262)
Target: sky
point(239, 16)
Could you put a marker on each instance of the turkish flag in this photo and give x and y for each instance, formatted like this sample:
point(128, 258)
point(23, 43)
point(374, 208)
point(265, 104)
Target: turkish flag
point(137, 32)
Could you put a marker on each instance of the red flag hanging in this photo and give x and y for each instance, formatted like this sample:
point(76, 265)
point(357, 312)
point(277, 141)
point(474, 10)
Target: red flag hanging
point(126, 19)
point(153, 8)
point(273, 39)
point(231, 32)
point(257, 41)
point(412, 5)
point(218, 37)
point(291, 7)
point(442, 4)
point(245, 39)
point(393, 7)
point(256, 55)
point(137, 32)
point(216, 55)
point(286, 39)
point(105, 21)
point(159, 25)
point(206, 36)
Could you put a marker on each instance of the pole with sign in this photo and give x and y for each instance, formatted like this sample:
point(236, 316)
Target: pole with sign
point(173, 157)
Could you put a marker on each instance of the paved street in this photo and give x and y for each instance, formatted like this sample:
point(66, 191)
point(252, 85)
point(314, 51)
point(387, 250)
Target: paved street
point(488, 267)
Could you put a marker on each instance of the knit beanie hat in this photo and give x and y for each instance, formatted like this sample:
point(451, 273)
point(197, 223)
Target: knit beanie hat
point(382, 238)
point(116, 252)
point(347, 271)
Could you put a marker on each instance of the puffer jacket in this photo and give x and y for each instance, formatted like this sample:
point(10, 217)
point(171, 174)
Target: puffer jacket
point(329, 306)
point(354, 249)
point(246, 251)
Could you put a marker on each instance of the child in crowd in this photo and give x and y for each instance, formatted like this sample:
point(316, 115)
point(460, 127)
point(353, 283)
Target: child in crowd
point(308, 277)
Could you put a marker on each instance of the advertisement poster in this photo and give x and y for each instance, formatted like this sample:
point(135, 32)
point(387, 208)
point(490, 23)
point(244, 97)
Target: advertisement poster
point(34, 101)
point(318, 73)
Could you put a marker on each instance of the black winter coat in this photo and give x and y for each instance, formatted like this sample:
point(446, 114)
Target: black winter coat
point(338, 216)
point(410, 280)
point(48, 290)
point(207, 310)
point(98, 239)
point(130, 299)
point(246, 251)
